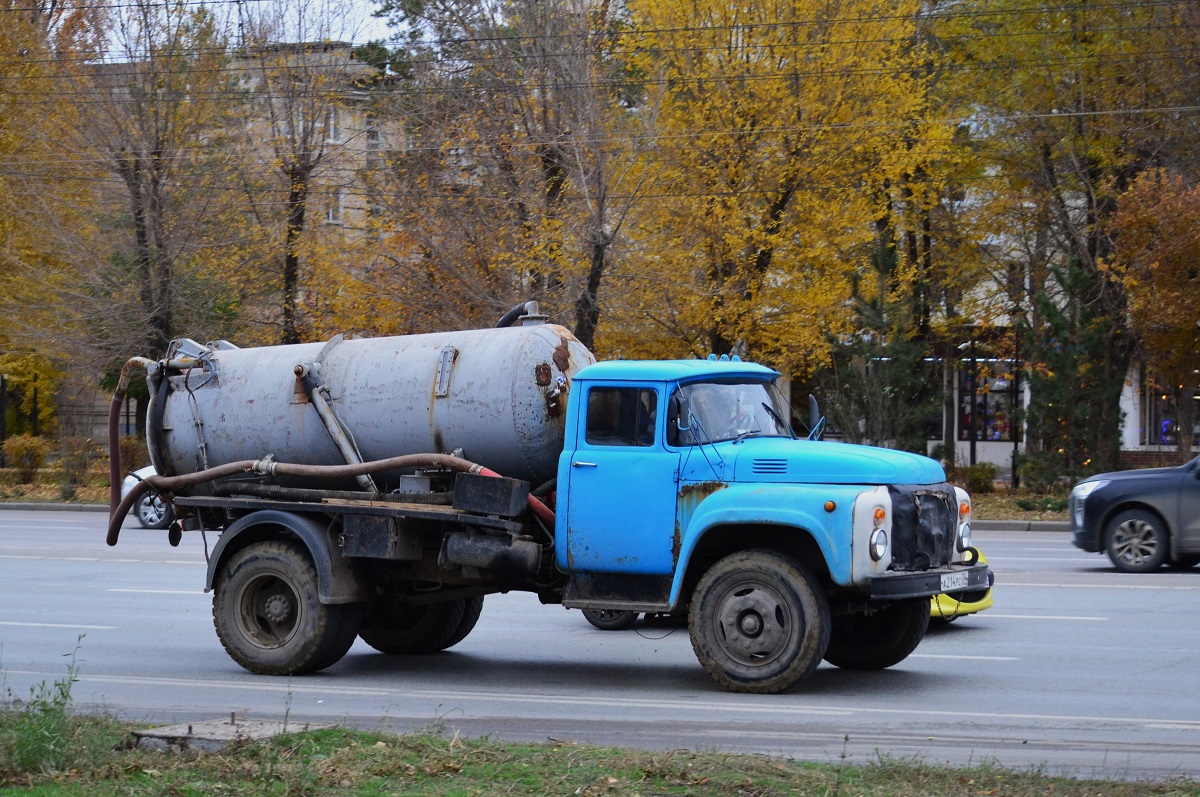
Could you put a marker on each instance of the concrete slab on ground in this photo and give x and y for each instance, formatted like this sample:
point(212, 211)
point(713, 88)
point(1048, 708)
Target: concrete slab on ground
point(210, 735)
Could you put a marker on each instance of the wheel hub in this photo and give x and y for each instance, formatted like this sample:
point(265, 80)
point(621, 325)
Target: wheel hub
point(752, 630)
point(277, 608)
point(750, 623)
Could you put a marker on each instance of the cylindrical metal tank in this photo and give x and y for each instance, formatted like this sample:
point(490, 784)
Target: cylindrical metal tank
point(498, 394)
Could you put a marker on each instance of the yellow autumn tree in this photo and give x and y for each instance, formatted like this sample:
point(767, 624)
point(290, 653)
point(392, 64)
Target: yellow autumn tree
point(1155, 258)
point(781, 131)
point(511, 174)
point(1068, 102)
point(34, 37)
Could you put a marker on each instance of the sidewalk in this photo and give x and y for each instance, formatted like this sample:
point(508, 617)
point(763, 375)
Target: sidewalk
point(978, 525)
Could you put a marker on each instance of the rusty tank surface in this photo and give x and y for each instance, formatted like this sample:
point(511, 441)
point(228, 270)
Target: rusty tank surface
point(497, 395)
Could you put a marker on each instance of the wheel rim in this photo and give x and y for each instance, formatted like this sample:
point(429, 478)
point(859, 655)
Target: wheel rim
point(755, 624)
point(1135, 542)
point(269, 611)
point(152, 510)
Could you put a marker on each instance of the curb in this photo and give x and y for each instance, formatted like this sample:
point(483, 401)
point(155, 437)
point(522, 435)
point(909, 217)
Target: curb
point(979, 525)
point(46, 506)
point(1021, 525)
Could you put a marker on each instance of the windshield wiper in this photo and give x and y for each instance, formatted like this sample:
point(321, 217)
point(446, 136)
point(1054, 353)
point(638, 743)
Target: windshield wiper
point(775, 416)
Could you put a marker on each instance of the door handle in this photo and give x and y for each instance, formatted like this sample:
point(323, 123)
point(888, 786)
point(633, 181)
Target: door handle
point(583, 464)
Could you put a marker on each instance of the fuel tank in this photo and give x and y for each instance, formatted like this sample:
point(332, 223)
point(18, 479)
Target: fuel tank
point(500, 395)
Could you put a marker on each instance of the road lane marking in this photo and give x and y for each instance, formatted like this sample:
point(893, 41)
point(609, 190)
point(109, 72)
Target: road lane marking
point(769, 704)
point(1152, 587)
point(104, 559)
point(967, 658)
point(1002, 559)
point(62, 625)
point(1047, 617)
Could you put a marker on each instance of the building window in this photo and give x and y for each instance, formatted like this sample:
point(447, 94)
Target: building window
point(995, 400)
point(333, 126)
point(1160, 425)
point(333, 207)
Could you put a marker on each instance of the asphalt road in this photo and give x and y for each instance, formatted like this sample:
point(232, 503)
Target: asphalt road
point(1078, 669)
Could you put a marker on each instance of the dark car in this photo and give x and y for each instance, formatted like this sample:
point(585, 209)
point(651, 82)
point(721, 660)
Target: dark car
point(1143, 519)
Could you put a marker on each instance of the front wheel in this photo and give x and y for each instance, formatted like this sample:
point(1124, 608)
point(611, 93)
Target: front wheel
point(268, 614)
point(759, 622)
point(610, 619)
point(1136, 542)
point(880, 639)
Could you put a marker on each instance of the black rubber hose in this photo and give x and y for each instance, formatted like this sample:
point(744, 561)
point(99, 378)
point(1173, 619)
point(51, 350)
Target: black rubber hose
point(510, 318)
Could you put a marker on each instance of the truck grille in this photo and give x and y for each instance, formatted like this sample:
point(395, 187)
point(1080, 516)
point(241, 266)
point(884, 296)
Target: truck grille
point(924, 525)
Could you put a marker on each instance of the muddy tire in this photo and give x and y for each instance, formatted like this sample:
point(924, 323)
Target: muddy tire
point(759, 622)
point(268, 615)
point(877, 641)
point(472, 608)
point(400, 630)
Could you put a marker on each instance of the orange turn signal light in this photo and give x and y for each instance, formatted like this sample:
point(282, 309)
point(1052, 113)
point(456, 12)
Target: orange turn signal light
point(880, 513)
point(964, 509)
point(830, 506)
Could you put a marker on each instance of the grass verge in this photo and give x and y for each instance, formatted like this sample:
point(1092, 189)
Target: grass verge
point(346, 762)
point(48, 751)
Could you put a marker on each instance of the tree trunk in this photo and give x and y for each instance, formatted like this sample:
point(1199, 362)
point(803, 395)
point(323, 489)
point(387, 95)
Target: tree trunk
point(297, 203)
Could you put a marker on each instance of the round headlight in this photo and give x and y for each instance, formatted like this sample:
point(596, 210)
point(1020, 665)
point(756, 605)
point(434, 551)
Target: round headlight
point(964, 536)
point(879, 544)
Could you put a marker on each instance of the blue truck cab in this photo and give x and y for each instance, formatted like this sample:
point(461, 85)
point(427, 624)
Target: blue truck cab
point(682, 488)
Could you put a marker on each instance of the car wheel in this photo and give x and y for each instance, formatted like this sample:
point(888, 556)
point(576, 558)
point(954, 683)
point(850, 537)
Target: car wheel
point(154, 511)
point(610, 619)
point(759, 622)
point(1136, 541)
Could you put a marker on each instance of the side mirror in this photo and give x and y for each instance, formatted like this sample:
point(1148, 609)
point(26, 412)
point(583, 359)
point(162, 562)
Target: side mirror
point(678, 417)
point(816, 423)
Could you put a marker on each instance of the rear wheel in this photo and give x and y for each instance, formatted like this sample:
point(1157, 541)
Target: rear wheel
point(610, 619)
point(397, 629)
point(1136, 541)
point(268, 614)
point(759, 622)
point(878, 640)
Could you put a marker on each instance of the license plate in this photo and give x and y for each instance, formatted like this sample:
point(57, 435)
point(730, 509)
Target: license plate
point(953, 581)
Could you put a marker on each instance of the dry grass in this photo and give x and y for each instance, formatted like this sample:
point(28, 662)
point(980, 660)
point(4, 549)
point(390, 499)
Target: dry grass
point(344, 762)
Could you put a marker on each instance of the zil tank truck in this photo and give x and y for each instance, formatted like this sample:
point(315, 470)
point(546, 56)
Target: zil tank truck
point(381, 488)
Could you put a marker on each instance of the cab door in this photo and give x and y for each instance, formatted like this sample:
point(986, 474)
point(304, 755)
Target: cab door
point(621, 495)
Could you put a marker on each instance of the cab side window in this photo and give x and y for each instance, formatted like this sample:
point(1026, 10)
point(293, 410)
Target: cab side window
point(621, 416)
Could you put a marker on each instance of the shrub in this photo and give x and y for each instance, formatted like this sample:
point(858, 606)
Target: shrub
point(133, 453)
point(26, 453)
point(75, 457)
point(981, 477)
point(1044, 503)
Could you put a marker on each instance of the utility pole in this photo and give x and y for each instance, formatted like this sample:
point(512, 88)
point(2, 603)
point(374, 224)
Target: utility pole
point(3, 417)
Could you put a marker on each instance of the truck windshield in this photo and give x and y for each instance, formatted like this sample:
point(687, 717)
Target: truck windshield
point(734, 410)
